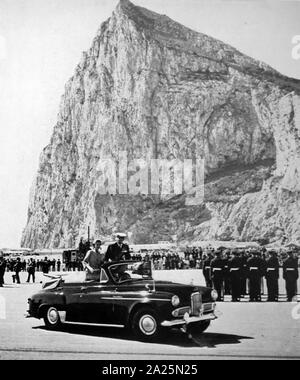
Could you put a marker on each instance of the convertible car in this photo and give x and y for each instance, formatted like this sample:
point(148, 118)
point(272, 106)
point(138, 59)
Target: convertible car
point(125, 296)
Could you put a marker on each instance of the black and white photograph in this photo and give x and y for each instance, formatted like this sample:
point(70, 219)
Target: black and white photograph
point(149, 182)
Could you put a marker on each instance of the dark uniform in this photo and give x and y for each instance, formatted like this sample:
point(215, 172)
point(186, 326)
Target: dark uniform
point(207, 271)
point(45, 266)
point(31, 271)
point(235, 274)
point(264, 258)
point(227, 285)
point(291, 275)
point(272, 277)
point(217, 275)
point(2, 271)
point(117, 252)
point(255, 267)
point(17, 270)
point(244, 260)
point(83, 248)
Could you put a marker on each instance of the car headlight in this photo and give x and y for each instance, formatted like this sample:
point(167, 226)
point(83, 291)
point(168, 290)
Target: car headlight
point(214, 295)
point(175, 301)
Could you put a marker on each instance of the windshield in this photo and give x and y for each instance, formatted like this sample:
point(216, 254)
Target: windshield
point(51, 284)
point(126, 272)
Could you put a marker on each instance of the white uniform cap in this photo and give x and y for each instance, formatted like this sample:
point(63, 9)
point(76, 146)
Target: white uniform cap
point(121, 235)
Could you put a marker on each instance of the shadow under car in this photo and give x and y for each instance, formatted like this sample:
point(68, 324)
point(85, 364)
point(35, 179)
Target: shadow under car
point(172, 337)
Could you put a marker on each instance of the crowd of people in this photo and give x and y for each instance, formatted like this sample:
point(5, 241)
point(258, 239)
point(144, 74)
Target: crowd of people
point(44, 265)
point(234, 272)
point(31, 266)
point(239, 272)
point(162, 260)
point(194, 257)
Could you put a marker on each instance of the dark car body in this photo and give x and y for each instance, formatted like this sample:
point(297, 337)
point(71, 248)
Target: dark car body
point(118, 301)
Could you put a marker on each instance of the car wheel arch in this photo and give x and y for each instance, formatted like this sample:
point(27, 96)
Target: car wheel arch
point(138, 306)
point(43, 309)
point(45, 306)
point(145, 323)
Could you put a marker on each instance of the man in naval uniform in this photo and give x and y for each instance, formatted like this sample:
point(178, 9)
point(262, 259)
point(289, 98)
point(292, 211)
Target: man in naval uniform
point(217, 274)
point(256, 270)
point(272, 276)
point(207, 269)
point(291, 275)
point(235, 274)
point(118, 251)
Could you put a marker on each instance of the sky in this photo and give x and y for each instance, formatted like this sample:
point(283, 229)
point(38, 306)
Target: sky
point(41, 42)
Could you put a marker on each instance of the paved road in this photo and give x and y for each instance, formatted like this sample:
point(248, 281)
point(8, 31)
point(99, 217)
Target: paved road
point(243, 331)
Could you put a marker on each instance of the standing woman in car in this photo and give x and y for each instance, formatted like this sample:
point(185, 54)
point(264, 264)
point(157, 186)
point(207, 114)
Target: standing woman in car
point(93, 261)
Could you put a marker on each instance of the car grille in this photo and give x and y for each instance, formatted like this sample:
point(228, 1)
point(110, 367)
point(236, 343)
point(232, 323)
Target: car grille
point(208, 308)
point(196, 303)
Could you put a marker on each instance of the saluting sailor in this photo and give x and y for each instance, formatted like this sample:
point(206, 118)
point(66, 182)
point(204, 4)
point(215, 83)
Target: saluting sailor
point(118, 251)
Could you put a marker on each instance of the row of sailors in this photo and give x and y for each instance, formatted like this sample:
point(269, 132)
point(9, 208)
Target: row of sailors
point(229, 275)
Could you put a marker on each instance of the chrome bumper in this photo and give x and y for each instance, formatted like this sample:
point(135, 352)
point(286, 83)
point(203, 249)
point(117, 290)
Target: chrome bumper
point(207, 312)
point(186, 320)
point(62, 315)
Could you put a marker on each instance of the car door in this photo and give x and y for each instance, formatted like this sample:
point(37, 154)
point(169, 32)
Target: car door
point(96, 304)
point(90, 303)
point(72, 295)
point(123, 298)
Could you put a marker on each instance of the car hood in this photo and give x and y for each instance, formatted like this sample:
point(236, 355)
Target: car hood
point(183, 290)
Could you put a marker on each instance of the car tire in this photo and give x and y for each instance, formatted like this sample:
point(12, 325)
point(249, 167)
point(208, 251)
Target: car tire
point(52, 318)
point(195, 330)
point(145, 324)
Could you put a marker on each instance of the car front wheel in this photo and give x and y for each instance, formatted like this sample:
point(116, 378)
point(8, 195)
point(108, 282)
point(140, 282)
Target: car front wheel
point(52, 318)
point(145, 324)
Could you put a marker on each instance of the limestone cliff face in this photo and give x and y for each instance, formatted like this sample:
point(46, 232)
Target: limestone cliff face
point(155, 89)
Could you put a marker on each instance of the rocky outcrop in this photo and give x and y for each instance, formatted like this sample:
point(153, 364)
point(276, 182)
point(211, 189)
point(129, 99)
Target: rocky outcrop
point(158, 90)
